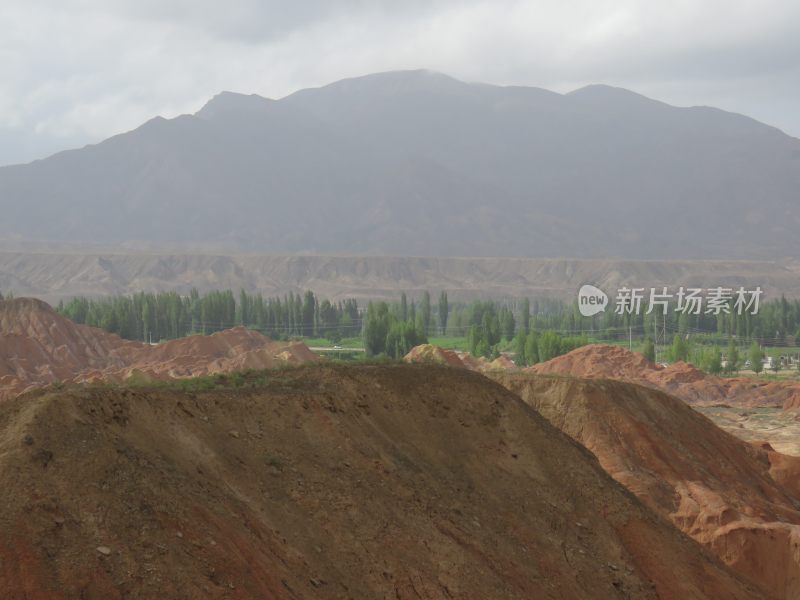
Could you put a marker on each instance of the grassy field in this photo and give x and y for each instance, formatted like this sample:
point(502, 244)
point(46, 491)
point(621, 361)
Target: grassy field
point(450, 343)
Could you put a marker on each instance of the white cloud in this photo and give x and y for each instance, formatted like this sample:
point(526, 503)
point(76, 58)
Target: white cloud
point(82, 70)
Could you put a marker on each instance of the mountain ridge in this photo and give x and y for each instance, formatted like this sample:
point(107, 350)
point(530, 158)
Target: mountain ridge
point(61, 274)
point(419, 163)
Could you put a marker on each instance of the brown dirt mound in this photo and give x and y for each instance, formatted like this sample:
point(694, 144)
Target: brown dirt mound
point(692, 385)
point(38, 346)
point(736, 499)
point(597, 361)
point(407, 481)
point(501, 363)
point(784, 469)
point(428, 353)
point(792, 401)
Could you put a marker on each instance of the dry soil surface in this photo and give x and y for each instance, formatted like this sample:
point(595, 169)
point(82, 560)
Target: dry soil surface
point(739, 500)
point(598, 361)
point(407, 481)
point(778, 427)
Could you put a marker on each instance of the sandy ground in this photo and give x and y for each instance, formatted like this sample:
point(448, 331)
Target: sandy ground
point(781, 429)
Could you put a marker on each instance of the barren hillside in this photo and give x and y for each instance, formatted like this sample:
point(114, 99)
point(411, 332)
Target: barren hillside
point(739, 500)
point(361, 482)
point(598, 361)
point(38, 346)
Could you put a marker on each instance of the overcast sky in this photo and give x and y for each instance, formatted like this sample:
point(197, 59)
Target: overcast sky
point(77, 71)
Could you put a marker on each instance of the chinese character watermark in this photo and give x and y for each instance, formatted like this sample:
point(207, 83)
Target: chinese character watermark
point(685, 300)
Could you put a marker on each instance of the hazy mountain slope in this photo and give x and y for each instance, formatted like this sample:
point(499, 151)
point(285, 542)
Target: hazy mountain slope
point(638, 173)
point(62, 274)
point(418, 163)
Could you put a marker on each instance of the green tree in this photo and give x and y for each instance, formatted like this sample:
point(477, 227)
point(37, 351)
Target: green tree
point(419, 323)
point(376, 328)
point(444, 311)
point(147, 318)
point(714, 362)
point(756, 357)
point(345, 327)
point(649, 350)
point(242, 316)
point(474, 337)
point(680, 349)
point(308, 311)
point(733, 357)
point(425, 310)
point(532, 348)
point(402, 337)
point(483, 348)
point(525, 316)
point(403, 307)
point(507, 323)
point(479, 342)
point(491, 328)
point(520, 358)
point(549, 346)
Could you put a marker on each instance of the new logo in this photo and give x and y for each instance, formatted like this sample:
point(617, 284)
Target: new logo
point(591, 300)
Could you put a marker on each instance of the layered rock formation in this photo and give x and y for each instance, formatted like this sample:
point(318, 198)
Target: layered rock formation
point(739, 500)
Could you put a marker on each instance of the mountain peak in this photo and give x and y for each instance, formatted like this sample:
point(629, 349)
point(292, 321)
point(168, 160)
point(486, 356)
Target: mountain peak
point(600, 92)
point(232, 102)
point(381, 163)
point(388, 83)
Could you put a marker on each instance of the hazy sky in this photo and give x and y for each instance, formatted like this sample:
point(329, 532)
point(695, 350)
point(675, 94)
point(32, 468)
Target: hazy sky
point(77, 71)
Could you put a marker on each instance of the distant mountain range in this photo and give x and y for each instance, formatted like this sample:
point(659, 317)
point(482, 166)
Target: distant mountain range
point(418, 163)
point(54, 276)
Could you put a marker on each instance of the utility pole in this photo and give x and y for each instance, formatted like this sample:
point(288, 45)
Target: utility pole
point(630, 338)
